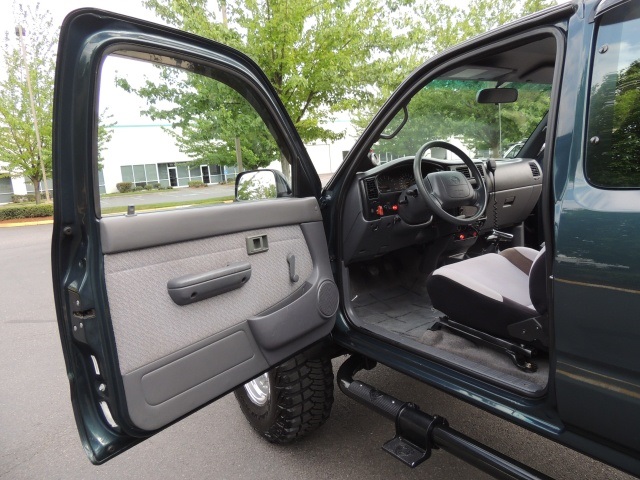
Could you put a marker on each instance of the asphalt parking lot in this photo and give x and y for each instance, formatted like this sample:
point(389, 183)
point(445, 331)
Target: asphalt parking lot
point(38, 437)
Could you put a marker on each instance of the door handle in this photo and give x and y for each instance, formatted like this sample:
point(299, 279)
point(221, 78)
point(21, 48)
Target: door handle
point(293, 276)
point(194, 288)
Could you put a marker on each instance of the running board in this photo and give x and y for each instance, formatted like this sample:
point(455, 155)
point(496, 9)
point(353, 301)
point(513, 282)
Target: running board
point(418, 433)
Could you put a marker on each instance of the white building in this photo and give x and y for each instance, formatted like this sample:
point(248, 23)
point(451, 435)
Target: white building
point(160, 161)
point(15, 186)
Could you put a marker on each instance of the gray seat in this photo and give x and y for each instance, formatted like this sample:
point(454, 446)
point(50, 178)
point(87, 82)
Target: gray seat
point(492, 291)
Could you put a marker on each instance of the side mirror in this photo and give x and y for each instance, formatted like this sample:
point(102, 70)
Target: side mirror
point(497, 95)
point(261, 185)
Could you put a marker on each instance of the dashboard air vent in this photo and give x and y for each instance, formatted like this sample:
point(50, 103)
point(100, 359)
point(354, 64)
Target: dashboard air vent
point(372, 189)
point(534, 169)
point(465, 171)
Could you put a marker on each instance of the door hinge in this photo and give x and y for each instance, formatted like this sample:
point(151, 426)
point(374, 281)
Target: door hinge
point(325, 200)
point(79, 316)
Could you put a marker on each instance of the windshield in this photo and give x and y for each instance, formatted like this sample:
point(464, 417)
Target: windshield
point(446, 109)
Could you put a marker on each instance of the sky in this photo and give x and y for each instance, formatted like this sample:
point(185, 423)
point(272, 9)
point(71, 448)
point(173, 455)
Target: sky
point(60, 8)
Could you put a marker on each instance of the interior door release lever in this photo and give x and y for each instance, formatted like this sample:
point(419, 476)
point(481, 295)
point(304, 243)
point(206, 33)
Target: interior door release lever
point(291, 260)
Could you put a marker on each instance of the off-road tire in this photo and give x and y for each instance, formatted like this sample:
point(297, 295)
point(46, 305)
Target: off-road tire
point(300, 400)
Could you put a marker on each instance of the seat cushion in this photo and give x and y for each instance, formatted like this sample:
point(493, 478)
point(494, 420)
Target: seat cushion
point(488, 292)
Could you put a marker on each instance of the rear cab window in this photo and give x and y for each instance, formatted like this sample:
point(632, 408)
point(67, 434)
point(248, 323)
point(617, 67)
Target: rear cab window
point(613, 148)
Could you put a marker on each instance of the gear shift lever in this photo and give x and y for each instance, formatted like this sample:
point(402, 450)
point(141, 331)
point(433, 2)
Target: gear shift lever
point(495, 238)
point(496, 235)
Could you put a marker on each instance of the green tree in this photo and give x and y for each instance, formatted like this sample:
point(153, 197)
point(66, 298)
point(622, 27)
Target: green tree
point(446, 107)
point(456, 24)
point(615, 120)
point(322, 57)
point(105, 133)
point(18, 146)
point(207, 117)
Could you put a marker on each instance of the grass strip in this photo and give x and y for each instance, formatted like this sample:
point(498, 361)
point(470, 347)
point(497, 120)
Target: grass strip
point(157, 206)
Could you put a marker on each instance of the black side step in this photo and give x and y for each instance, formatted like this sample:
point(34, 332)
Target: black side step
point(417, 432)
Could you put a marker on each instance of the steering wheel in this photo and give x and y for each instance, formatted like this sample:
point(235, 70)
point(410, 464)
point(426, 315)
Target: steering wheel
point(442, 191)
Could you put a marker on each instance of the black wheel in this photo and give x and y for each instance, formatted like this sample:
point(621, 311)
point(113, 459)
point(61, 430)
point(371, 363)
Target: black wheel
point(289, 401)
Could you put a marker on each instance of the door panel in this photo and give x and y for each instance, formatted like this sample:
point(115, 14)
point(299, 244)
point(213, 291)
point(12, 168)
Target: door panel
point(136, 359)
point(148, 325)
point(172, 356)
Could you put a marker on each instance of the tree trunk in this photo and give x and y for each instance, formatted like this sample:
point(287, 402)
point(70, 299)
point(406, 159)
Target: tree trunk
point(239, 155)
point(36, 190)
point(286, 168)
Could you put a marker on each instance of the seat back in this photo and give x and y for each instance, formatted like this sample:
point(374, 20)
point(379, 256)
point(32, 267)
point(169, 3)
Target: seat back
point(538, 283)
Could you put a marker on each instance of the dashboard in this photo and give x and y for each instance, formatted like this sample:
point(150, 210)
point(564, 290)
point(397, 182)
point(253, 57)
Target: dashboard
point(382, 185)
point(373, 225)
point(401, 177)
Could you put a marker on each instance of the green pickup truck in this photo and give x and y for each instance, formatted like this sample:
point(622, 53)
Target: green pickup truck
point(510, 283)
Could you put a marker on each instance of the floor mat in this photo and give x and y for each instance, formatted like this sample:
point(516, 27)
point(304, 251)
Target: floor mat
point(398, 309)
point(408, 312)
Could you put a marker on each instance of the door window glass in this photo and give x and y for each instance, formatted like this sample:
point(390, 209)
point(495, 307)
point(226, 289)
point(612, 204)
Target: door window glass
point(171, 136)
point(613, 149)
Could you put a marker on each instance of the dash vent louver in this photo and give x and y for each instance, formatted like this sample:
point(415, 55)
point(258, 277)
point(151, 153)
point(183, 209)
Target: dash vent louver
point(371, 187)
point(465, 171)
point(534, 169)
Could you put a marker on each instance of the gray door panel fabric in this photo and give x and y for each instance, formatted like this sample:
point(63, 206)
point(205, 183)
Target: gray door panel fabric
point(309, 309)
point(174, 357)
point(147, 323)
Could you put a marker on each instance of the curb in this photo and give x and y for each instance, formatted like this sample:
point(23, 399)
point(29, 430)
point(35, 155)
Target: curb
point(47, 221)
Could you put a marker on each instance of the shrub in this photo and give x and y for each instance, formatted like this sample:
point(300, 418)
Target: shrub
point(30, 197)
point(197, 184)
point(148, 186)
point(155, 185)
point(26, 211)
point(23, 198)
point(124, 187)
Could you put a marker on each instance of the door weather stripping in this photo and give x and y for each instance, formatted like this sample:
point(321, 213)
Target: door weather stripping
point(418, 433)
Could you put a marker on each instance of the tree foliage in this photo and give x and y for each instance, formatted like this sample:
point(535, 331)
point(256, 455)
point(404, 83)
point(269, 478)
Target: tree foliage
point(322, 57)
point(448, 108)
point(615, 121)
point(18, 146)
point(206, 118)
